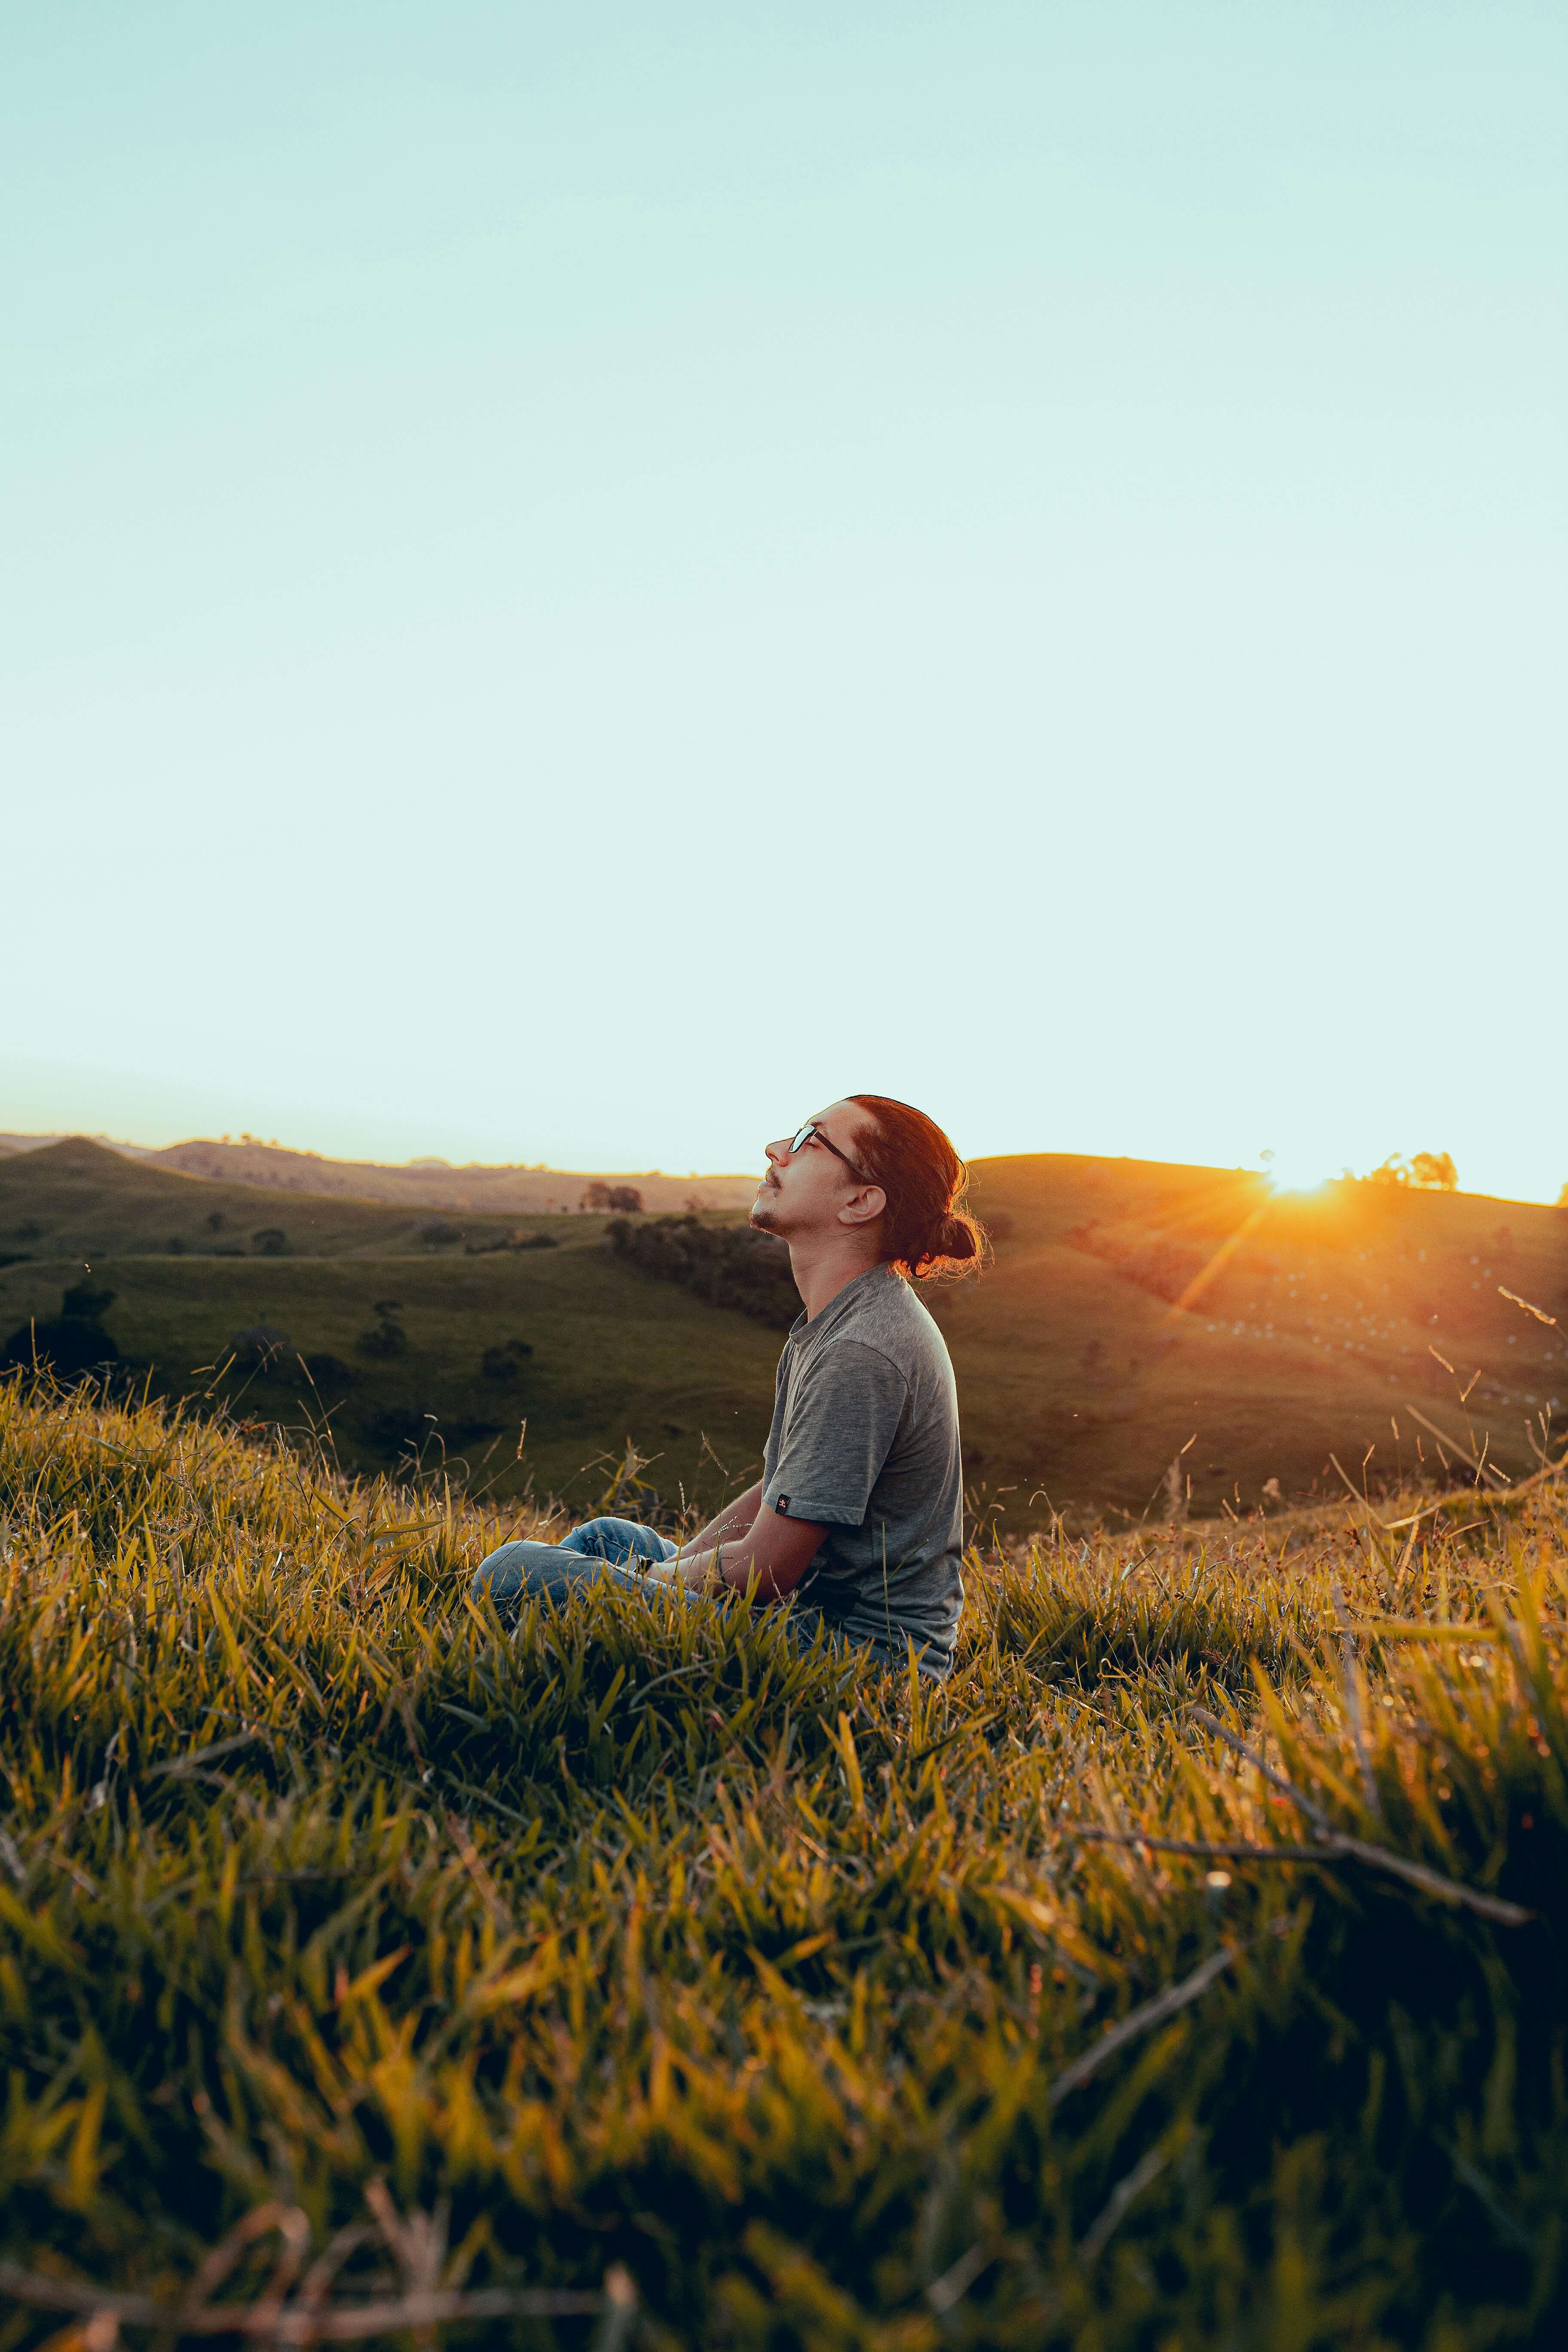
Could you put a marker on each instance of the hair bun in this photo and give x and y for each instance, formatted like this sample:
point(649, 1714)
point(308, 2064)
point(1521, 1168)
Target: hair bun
point(926, 1231)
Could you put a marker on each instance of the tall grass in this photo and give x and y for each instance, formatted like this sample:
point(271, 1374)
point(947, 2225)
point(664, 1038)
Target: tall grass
point(659, 1983)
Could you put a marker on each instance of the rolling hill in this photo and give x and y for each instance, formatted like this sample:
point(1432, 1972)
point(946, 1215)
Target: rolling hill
point(1317, 1327)
point(1323, 1318)
point(603, 1355)
point(419, 1183)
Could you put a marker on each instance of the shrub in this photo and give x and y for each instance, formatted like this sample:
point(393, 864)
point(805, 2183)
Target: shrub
point(270, 1241)
point(397, 1428)
point(439, 1232)
point(504, 1362)
point(85, 1302)
point(383, 1339)
point(730, 1265)
point(601, 1196)
point(387, 1337)
point(72, 1344)
point(1164, 1268)
point(1425, 1171)
point(518, 1239)
point(257, 1347)
point(215, 1221)
point(70, 1348)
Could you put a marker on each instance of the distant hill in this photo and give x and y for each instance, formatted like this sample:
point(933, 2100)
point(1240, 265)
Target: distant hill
point(416, 1329)
point(78, 1199)
point(1344, 1322)
point(419, 1183)
point(1323, 1317)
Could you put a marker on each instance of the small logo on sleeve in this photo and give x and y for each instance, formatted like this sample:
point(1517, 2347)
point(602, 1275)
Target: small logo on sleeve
point(782, 1505)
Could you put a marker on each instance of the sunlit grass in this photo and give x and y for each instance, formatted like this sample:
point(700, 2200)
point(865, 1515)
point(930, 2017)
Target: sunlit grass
point(641, 1948)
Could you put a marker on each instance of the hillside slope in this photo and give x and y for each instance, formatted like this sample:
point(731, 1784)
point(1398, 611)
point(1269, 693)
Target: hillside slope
point(628, 1970)
point(600, 1354)
point(78, 1198)
point(1080, 1380)
point(1323, 1320)
point(420, 1183)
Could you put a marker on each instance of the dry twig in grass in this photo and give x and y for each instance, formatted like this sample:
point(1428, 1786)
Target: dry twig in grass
point(417, 2242)
point(1141, 2019)
point(1331, 1847)
point(1330, 1844)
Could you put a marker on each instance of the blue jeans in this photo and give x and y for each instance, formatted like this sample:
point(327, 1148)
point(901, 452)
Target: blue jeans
point(608, 1548)
point(540, 1571)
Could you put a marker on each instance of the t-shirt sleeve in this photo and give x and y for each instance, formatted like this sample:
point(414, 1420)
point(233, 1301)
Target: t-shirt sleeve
point(843, 1417)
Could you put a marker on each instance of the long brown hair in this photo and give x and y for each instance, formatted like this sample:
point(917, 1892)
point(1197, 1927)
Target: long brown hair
point(926, 1229)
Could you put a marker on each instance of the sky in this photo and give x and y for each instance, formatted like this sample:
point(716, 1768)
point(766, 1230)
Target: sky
point(581, 582)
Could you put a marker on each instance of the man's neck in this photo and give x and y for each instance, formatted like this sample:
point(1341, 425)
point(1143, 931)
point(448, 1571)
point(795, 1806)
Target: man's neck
point(822, 1270)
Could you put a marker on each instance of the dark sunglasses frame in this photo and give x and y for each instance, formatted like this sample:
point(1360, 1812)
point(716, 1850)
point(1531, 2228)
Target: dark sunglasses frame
point(811, 1133)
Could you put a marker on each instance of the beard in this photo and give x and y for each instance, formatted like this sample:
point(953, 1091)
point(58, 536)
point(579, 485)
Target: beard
point(765, 1216)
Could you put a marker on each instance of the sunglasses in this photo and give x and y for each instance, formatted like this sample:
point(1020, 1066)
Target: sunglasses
point(811, 1133)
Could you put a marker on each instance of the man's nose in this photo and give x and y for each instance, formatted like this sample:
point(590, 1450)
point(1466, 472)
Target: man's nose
point(777, 1150)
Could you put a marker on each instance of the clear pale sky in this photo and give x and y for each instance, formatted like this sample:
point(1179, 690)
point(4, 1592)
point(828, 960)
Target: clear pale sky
point(579, 582)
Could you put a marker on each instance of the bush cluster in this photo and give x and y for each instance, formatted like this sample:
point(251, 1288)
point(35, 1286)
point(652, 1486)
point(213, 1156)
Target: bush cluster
point(386, 1336)
point(73, 1344)
point(1164, 1268)
point(600, 1196)
point(730, 1265)
point(439, 1232)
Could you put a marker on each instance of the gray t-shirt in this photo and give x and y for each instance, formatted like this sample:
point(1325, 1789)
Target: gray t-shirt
point(865, 1439)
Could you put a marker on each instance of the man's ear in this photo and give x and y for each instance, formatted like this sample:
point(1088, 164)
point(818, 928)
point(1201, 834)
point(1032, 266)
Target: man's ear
point(864, 1207)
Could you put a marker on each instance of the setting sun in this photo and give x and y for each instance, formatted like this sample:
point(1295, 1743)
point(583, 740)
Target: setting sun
point(1295, 1169)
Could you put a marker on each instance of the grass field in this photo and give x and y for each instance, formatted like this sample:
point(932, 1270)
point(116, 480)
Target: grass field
point(514, 1191)
point(1317, 1330)
point(614, 1356)
point(625, 1978)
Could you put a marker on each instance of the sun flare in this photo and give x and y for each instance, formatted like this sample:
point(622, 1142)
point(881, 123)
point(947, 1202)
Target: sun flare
point(1296, 1170)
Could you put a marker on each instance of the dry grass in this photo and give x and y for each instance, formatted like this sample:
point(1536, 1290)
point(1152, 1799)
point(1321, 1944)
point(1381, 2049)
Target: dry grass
point(363, 1948)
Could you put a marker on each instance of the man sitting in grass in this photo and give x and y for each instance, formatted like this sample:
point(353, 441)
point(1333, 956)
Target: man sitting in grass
point(858, 1514)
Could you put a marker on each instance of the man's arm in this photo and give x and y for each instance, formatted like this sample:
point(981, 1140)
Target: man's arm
point(778, 1551)
point(733, 1521)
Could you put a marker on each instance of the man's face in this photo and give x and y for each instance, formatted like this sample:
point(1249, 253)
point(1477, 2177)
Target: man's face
point(811, 1190)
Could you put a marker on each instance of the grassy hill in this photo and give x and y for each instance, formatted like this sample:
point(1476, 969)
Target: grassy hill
point(417, 1185)
point(1323, 1320)
point(625, 1978)
point(1080, 1380)
point(613, 1356)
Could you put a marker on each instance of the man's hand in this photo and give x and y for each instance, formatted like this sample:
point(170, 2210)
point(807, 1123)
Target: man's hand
point(777, 1550)
point(734, 1522)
